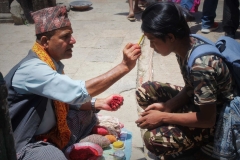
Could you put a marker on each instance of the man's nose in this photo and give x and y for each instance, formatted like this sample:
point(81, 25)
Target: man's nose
point(72, 41)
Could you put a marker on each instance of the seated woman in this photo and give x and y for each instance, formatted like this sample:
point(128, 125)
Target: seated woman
point(181, 119)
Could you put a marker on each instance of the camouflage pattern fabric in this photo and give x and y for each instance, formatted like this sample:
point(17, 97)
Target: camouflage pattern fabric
point(153, 92)
point(210, 80)
point(170, 139)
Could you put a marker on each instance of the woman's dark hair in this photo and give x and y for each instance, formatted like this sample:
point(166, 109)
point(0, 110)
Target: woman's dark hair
point(47, 34)
point(162, 18)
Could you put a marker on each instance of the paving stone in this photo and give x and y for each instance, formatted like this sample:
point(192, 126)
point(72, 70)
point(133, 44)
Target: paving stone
point(103, 55)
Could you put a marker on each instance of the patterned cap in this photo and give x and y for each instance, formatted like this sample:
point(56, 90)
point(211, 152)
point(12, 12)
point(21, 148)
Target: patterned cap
point(49, 19)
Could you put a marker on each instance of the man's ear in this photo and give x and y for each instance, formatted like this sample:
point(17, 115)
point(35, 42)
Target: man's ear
point(171, 37)
point(44, 42)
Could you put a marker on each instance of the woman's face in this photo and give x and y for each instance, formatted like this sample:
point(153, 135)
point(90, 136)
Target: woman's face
point(159, 46)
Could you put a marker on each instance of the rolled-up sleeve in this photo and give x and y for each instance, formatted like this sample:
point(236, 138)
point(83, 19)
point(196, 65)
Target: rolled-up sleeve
point(36, 77)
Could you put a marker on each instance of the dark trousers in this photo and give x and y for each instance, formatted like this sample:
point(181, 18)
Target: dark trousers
point(230, 16)
point(209, 13)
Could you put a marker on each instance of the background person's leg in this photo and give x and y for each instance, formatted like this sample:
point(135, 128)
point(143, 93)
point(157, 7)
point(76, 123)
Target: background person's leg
point(137, 9)
point(208, 16)
point(230, 17)
point(131, 12)
point(187, 4)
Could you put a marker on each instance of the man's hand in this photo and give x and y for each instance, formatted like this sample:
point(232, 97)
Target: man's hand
point(110, 103)
point(150, 119)
point(158, 106)
point(131, 53)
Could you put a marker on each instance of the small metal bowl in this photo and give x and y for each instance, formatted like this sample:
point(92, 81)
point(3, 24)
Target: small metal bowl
point(80, 5)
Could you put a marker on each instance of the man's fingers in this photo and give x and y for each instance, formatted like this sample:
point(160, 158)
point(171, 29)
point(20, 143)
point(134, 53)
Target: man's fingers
point(129, 45)
point(137, 52)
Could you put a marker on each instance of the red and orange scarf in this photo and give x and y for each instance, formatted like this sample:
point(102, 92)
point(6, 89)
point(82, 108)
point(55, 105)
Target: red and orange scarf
point(60, 134)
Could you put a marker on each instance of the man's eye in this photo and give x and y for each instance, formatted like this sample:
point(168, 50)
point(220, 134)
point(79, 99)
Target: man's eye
point(67, 36)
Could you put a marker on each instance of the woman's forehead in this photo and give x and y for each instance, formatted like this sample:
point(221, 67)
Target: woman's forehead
point(149, 35)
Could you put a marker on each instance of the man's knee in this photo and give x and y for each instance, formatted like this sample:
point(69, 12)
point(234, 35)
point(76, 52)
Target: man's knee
point(41, 150)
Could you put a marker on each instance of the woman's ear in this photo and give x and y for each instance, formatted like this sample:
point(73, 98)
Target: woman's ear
point(171, 37)
point(44, 42)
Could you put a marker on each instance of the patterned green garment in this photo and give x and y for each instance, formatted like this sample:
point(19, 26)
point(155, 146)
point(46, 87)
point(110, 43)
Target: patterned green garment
point(210, 82)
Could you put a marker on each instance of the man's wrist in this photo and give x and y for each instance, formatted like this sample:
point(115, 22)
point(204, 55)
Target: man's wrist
point(124, 67)
point(93, 101)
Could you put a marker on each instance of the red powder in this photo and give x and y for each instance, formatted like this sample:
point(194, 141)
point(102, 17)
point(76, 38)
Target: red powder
point(115, 101)
point(83, 152)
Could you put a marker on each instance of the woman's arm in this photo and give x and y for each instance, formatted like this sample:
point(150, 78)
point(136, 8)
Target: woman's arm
point(179, 100)
point(204, 119)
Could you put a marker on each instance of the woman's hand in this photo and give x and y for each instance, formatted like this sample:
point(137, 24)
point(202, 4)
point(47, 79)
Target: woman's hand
point(111, 103)
point(150, 119)
point(158, 106)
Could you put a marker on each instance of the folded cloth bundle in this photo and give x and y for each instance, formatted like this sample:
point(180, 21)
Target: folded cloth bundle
point(111, 123)
point(97, 139)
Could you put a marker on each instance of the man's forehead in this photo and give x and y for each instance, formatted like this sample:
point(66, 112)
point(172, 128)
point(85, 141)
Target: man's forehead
point(65, 30)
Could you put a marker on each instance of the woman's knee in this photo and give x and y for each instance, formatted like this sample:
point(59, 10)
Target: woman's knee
point(147, 141)
point(153, 92)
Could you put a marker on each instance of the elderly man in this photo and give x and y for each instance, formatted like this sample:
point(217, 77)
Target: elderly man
point(49, 111)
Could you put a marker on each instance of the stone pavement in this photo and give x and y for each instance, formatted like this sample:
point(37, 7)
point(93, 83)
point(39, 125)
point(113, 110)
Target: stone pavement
point(101, 33)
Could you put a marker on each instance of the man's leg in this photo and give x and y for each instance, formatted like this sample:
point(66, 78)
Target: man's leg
point(81, 124)
point(230, 17)
point(208, 16)
point(40, 151)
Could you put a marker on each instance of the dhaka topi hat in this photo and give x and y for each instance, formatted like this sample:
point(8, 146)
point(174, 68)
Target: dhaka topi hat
point(51, 18)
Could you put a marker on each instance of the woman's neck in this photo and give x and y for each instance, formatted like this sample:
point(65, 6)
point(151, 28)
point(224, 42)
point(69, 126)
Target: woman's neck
point(183, 46)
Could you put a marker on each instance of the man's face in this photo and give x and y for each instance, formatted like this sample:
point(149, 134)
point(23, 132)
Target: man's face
point(60, 45)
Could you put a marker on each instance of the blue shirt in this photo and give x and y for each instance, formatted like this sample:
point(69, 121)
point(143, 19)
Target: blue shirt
point(36, 77)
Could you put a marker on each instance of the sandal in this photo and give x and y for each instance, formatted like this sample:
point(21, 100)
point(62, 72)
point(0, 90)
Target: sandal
point(131, 18)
